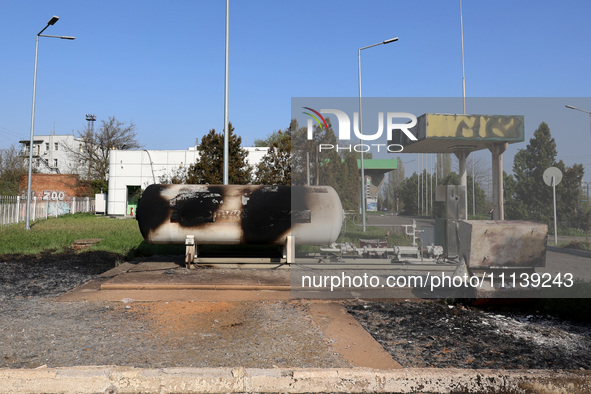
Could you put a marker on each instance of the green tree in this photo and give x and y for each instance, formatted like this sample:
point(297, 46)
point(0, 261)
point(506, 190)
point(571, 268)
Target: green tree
point(275, 167)
point(393, 187)
point(326, 166)
point(348, 181)
point(529, 198)
point(274, 137)
point(409, 194)
point(571, 211)
point(529, 165)
point(13, 165)
point(209, 168)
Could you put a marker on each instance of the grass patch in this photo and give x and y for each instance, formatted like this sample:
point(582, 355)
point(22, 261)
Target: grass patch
point(579, 245)
point(54, 235)
point(122, 236)
point(568, 232)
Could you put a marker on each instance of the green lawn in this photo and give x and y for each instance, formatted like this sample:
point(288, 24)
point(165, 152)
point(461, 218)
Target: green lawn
point(121, 236)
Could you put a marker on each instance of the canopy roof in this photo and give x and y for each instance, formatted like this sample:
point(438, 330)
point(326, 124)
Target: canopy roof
point(448, 133)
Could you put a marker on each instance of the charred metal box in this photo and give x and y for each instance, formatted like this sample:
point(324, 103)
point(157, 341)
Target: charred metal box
point(446, 229)
point(503, 243)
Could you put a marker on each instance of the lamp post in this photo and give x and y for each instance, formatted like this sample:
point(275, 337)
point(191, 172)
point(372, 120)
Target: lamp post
point(582, 110)
point(226, 122)
point(363, 207)
point(51, 22)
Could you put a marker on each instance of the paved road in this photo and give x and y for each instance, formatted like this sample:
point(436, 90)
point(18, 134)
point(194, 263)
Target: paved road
point(563, 263)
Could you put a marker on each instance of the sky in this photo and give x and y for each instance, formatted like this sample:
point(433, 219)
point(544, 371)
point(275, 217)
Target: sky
point(160, 64)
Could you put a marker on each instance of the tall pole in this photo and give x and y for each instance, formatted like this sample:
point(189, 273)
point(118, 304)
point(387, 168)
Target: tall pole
point(51, 22)
point(463, 70)
point(363, 205)
point(361, 144)
point(226, 125)
point(464, 102)
point(554, 196)
point(28, 218)
point(582, 110)
point(418, 184)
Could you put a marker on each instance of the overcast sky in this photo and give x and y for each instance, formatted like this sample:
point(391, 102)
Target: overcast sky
point(160, 64)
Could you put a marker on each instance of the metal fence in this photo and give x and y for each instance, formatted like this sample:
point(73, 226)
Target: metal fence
point(13, 209)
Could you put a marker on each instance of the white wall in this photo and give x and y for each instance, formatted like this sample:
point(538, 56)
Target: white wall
point(145, 167)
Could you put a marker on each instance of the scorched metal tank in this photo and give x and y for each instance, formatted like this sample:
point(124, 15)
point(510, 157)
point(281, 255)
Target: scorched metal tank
point(240, 214)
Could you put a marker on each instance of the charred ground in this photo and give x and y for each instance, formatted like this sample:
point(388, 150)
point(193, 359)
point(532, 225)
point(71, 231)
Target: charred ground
point(36, 330)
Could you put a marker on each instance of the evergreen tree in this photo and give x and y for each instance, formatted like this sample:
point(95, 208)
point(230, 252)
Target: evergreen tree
point(528, 167)
point(529, 198)
point(348, 181)
point(209, 168)
point(409, 195)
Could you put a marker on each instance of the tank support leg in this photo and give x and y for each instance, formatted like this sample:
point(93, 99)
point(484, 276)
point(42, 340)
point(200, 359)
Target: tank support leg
point(290, 250)
point(190, 250)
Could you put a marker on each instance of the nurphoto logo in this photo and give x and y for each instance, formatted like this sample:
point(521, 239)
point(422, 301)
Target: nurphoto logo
point(345, 130)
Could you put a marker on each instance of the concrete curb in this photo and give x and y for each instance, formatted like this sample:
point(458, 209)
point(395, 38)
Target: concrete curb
point(114, 379)
point(576, 252)
point(190, 286)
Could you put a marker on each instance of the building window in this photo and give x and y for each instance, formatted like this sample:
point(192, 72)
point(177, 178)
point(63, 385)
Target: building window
point(55, 146)
point(47, 146)
point(55, 162)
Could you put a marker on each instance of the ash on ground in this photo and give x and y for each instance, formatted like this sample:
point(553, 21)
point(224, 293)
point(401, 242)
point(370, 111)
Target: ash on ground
point(421, 333)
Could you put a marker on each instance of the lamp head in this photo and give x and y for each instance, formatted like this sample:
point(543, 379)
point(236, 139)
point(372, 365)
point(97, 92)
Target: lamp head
point(53, 20)
point(390, 40)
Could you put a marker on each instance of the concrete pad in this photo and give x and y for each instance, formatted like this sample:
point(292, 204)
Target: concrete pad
point(167, 281)
point(349, 338)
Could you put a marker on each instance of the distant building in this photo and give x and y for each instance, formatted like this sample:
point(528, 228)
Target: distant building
point(131, 171)
point(52, 154)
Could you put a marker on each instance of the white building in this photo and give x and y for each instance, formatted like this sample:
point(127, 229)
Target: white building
point(131, 171)
point(52, 154)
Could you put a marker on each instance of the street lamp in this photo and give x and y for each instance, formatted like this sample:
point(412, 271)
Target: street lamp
point(582, 110)
point(51, 22)
point(361, 127)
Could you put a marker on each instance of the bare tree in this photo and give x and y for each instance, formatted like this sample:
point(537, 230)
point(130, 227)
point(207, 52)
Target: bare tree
point(13, 165)
point(95, 146)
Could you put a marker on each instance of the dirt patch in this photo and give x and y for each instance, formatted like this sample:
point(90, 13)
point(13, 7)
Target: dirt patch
point(180, 318)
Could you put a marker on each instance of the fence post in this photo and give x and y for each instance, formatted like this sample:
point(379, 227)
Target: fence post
point(18, 209)
point(73, 205)
point(34, 207)
point(87, 204)
point(46, 209)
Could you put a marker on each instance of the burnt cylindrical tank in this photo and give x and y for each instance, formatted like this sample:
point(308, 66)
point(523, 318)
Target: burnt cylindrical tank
point(240, 214)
